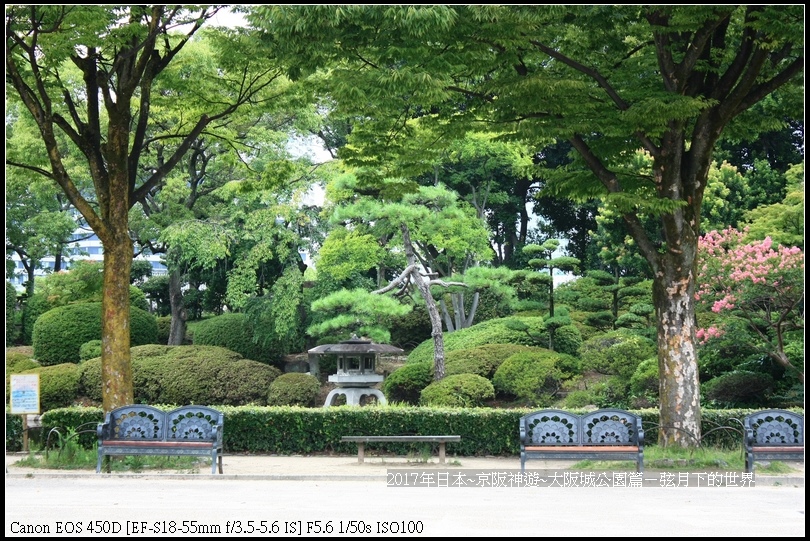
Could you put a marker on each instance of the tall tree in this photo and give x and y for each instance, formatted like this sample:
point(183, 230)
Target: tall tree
point(88, 73)
point(609, 79)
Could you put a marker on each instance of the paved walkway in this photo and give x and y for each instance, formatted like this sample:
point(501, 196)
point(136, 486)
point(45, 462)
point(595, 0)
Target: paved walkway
point(337, 496)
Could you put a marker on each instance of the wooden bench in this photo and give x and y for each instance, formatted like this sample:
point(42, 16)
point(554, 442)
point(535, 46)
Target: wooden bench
point(606, 434)
point(773, 435)
point(146, 430)
point(361, 442)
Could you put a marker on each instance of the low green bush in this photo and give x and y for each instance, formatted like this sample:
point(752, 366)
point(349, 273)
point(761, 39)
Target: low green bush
point(481, 360)
point(738, 388)
point(294, 389)
point(531, 377)
point(188, 375)
point(90, 350)
point(405, 384)
point(235, 332)
point(460, 390)
point(493, 331)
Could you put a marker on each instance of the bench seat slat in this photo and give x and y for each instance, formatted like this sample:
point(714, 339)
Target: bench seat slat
point(179, 444)
point(583, 448)
point(778, 449)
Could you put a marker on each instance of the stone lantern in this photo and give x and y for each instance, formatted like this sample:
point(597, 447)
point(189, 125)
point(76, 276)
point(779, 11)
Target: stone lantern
point(356, 369)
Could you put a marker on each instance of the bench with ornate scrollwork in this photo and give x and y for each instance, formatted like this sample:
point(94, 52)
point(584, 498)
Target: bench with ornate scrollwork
point(606, 434)
point(146, 430)
point(773, 435)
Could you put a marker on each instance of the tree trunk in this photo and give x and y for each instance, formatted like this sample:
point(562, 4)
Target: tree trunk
point(430, 303)
point(116, 367)
point(177, 329)
point(679, 386)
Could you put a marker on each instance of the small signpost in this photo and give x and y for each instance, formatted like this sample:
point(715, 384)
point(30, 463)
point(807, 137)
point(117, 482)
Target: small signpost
point(25, 399)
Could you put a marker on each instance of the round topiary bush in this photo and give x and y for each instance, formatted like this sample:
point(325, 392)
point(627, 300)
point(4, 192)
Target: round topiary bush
point(616, 353)
point(188, 375)
point(568, 339)
point(738, 389)
point(90, 350)
point(482, 360)
point(294, 389)
point(530, 377)
point(234, 332)
point(494, 331)
point(406, 382)
point(59, 333)
point(460, 390)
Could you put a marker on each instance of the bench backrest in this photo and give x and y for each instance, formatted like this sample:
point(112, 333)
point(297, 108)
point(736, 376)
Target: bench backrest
point(142, 422)
point(774, 427)
point(135, 423)
point(600, 427)
point(194, 423)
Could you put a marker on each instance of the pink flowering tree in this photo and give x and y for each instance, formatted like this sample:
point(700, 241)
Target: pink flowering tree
point(756, 282)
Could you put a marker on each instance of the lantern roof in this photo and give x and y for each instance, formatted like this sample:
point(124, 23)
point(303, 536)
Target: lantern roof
point(356, 345)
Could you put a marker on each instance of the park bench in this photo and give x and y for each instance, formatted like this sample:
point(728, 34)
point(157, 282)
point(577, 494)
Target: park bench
point(773, 435)
point(605, 434)
point(146, 430)
point(361, 442)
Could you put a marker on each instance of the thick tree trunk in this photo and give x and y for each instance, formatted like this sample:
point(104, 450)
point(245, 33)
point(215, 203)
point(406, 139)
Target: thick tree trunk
point(679, 385)
point(177, 330)
point(116, 366)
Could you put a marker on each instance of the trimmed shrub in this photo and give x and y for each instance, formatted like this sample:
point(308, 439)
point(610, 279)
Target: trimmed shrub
point(90, 350)
point(33, 307)
point(482, 360)
point(493, 331)
point(18, 362)
point(738, 389)
point(616, 353)
point(530, 377)
point(234, 332)
point(294, 389)
point(59, 333)
point(460, 390)
point(188, 375)
point(164, 324)
point(405, 384)
point(568, 340)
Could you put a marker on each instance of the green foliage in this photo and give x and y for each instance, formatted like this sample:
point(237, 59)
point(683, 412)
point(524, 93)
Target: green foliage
point(460, 390)
point(164, 324)
point(59, 333)
point(294, 389)
point(276, 317)
point(411, 329)
point(188, 375)
point(532, 377)
point(33, 307)
point(358, 312)
point(17, 362)
point(616, 353)
point(568, 340)
point(11, 313)
point(493, 331)
point(235, 332)
point(738, 388)
point(644, 383)
point(482, 360)
point(90, 350)
point(405, 384)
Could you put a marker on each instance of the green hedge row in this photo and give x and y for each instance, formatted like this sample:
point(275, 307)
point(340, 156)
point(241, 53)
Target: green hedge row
point(287, 430)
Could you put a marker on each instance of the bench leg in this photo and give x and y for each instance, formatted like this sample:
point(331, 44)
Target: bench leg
point(441, 452)
point(361, 451)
